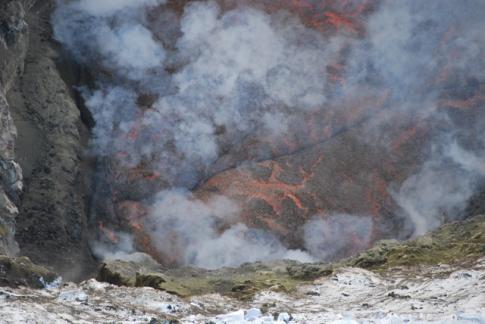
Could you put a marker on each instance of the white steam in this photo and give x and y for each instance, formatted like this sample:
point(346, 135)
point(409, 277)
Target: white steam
point(110, 7)
point(111, 33)
point(434, 195)
point(471, 162)
point(243, 72)
point(182, 225)
point(409, 45)
point(333, 236)
point(136, 41)
point(441, 189)
point(124, 249)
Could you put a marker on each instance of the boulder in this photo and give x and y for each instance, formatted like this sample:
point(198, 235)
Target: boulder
point(15, 272)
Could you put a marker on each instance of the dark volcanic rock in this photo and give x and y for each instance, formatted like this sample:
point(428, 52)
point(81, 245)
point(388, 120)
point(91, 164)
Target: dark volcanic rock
point(52, 223)
point(340, 175)
point(13, 41)
point(41, 129)
point(21, 271)
point(13, 45)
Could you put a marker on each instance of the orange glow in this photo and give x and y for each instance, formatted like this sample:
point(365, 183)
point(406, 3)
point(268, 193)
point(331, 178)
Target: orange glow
point(109, 234)
point(403, 138)
point(139, 173)
point(133, 134)
point(376, 194)
point(272, 191)
point(132, 211)
point(324, 16)
point(339, 21)
point(469, 103)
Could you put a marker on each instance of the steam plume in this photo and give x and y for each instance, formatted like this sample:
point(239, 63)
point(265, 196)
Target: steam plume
point(177, 93)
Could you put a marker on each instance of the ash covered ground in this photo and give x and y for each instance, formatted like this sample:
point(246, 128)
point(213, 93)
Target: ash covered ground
point(351, 296)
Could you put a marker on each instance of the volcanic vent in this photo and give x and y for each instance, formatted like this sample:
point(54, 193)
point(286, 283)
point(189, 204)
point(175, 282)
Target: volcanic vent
point(234, 131)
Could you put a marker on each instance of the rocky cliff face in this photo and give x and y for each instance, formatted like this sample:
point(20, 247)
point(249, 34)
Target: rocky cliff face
point(42, 134)
point(13, 47)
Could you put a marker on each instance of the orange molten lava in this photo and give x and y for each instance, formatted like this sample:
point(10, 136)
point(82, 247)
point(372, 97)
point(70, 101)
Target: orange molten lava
point(107, 233)
point(273, 191)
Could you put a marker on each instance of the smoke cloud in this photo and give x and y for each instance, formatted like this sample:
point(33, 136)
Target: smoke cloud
point(182, 225)
point(242, 73)
point(333, 236)
point(175, 93)
point(111, 7)
point(411, 45)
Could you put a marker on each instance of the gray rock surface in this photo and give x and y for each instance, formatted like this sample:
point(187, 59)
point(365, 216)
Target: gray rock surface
point(13, 46)
point(42, 133)
point(15, 272)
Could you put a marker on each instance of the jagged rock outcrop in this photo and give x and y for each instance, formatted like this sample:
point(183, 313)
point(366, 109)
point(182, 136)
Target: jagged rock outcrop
point(15, 272)
point(240, 283)
point(41, 132)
